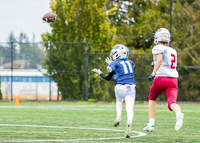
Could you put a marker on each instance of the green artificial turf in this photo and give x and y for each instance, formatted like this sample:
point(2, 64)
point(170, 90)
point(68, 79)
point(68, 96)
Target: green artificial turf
point(91, 122)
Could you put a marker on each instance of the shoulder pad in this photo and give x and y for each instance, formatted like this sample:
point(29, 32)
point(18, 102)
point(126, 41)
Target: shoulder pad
point(158, 49)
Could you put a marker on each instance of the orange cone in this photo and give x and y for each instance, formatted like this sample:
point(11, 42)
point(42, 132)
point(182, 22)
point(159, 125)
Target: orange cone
point(17, 100)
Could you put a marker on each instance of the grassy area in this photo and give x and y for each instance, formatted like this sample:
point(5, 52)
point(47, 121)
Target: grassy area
point(83, 122)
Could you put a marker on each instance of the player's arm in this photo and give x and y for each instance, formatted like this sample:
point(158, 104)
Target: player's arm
point(106, 77)
point(156, 66)
point(158, 63)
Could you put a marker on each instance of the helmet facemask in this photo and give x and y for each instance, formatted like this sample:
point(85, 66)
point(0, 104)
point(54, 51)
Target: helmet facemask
point(162, 35)
point(119, 52)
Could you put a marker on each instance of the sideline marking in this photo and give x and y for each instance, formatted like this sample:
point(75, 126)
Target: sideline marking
point(64, 140)
point(82, 108)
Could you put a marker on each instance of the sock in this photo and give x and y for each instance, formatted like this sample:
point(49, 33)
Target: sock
point(177, 114)
point(119, 108)
point(151, 121)
point(129, 108)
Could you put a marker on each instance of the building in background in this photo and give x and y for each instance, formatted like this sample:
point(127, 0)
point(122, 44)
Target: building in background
point(29, 84)
point(17, 64)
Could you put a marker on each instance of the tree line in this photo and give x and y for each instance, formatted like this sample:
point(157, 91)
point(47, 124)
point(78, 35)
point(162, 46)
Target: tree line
point(23, 49)
point(132, 23)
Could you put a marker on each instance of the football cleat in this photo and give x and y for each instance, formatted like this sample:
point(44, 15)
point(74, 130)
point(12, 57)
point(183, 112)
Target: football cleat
point(179, 122)
point(128, 129)
point(117, 121)
point(149, 128)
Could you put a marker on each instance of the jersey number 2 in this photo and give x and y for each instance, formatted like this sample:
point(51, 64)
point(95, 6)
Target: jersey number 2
point(173, 61)
point(126, 68)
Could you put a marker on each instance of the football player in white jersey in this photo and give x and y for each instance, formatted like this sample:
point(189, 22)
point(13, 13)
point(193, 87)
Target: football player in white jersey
point(164, 78)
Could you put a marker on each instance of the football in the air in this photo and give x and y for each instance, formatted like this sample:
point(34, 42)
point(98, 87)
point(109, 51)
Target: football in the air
point(50, 17)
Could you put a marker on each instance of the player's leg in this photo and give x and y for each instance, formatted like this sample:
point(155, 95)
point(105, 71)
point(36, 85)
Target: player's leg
point(172, 94)
point(155, 91)
point(152, 112)
point(129, 107)
point(130, 101)
point(130, 113)
point(175, 108)
point(179, 115)
point(119, 101)
point(119, 111)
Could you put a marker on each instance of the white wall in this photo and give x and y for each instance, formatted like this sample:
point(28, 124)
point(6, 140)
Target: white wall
point(27, 89)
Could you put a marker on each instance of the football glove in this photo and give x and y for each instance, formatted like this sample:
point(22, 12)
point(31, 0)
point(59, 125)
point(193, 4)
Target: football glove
point(152, 64)
point(108, 60)
point(151, 77)
point(97, 71)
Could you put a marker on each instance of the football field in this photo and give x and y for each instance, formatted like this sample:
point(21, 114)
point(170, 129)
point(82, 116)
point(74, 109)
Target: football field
point(92, 122)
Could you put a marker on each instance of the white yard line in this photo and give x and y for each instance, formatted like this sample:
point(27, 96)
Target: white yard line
point(85, 108)
point(66, 140)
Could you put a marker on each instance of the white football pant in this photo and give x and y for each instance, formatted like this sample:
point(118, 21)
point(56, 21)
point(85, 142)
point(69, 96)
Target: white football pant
point(128, 93)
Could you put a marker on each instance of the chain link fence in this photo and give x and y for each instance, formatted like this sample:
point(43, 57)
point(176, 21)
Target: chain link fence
point(63, 71)
point(40, 71)
point(188, 79)
point(22, 73)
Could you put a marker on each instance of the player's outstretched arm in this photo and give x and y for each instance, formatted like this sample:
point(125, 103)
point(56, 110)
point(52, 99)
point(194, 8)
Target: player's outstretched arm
point(97, 71)
point(106, 77)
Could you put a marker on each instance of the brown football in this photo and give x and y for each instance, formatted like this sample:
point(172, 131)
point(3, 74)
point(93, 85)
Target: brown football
point(50, 17)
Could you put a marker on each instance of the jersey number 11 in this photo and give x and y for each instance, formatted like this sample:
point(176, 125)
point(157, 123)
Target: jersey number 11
point(125, 67)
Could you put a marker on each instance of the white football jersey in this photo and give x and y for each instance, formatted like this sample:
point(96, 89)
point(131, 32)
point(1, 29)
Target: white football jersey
point(169, 61)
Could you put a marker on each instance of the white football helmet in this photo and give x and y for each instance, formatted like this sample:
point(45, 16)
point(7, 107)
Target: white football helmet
point(162, 35)
point(119, 52)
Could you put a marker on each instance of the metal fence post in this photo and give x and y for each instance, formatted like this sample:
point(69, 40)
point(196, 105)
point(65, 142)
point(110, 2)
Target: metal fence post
point(11, 87)
point(170, 19)
point(87, 58)
point(36, 87)
point(49, 46)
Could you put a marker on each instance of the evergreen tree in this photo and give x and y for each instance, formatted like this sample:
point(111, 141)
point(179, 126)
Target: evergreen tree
point(32, 53)
point(6, 49)
point(186, 41)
